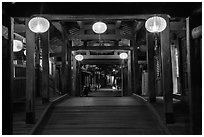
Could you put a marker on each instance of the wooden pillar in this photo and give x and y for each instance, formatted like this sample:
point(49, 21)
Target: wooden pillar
point(151, 67)
point(74, 75)
point(64, 67)
point(135, 68)
point(122, 77)
point(37, 67)
point(129, 75)
point(194, 68)
point(45, 66)
point(78, 79)
point(7, 75)
point(125, 78)
point(69, 75)
point(30, 75)
point(167, 85)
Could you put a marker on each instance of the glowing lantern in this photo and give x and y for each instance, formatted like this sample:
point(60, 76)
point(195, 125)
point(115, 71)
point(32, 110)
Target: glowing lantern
point(79, 57)
point(123, 55)
point(155, 24)
point(99, 27)
point(38, 25)
point(17, 45)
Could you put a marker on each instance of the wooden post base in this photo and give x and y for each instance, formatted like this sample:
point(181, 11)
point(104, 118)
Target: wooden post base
point(30, 118)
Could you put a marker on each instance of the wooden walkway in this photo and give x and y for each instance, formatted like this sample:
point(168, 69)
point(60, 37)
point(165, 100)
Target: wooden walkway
point(100, 116)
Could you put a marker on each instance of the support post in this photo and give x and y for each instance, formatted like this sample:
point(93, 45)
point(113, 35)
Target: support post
point(135, 64)
point(129, 84)
point(167, 84)
point(45, 66)
point(151, 67)
point(37, 67)
point(194, 68)
point(64, 67)
point(69, 77)
point(7, 76)
point(30, 75)
point(74, 76)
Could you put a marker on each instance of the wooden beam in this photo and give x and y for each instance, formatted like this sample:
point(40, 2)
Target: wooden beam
point(101, 56)
point(151, 67)
point(167, 84)
point(30, 76)
point(98, 61)
point(95, 17)
point(45, 66)
point(102, 37)
point(102, 48)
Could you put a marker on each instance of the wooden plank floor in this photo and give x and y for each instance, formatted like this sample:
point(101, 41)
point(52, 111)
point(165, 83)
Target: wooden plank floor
point(100, 116)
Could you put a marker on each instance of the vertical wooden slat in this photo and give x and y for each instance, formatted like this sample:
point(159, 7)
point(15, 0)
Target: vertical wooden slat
point(45, 66)
point(30, 75)
point(150, 67)
point(167, 85)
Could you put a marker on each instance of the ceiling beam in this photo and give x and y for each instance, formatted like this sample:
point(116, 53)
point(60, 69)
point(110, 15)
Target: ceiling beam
point(102, 48)
point(101, 61)
point(101, 57)
point(95, 17)
point(102, 37)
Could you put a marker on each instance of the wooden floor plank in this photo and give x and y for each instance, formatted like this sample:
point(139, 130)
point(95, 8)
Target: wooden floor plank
point(100, 116)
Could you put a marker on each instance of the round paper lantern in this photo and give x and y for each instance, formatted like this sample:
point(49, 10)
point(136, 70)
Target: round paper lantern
point(79, 57)
point(123, 55)
point(155, 24)
point(38, 25)
point(17, 45)
point(99, 27)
